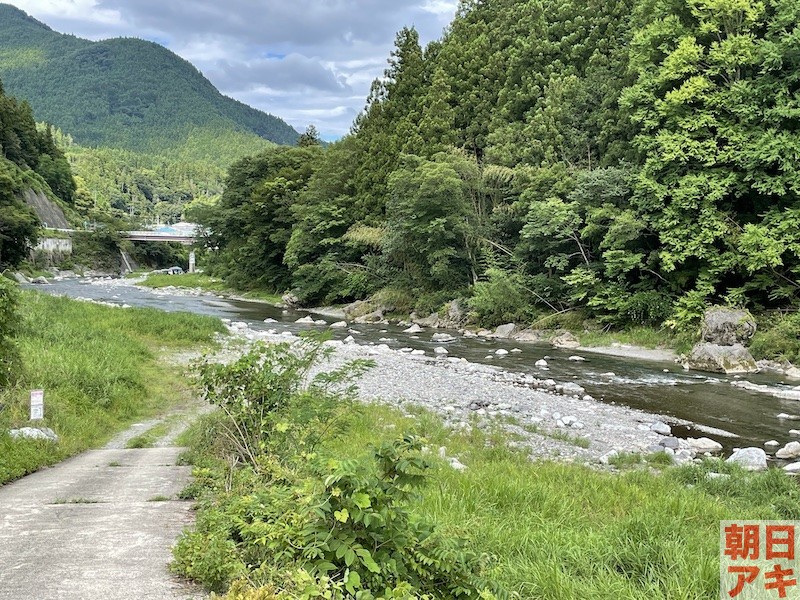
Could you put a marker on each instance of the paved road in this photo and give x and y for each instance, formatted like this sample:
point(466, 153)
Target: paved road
point(95, 527)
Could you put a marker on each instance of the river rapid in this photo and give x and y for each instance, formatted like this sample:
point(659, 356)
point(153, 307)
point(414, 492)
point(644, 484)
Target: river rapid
point(712, 405)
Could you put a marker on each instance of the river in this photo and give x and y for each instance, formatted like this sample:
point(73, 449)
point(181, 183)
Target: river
point(707, 400)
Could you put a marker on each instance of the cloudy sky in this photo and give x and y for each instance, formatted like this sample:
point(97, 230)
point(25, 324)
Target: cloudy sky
point(306, 61)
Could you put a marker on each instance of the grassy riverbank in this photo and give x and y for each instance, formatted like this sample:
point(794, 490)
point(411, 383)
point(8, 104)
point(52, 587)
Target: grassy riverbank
point(535, 530)
point(101, 368)
point(208, 284)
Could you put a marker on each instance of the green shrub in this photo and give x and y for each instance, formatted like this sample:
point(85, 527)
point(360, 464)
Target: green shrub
point(270, 403)
point(778, 338)
point(431, 302)
point(276, 512)
point(502, 298)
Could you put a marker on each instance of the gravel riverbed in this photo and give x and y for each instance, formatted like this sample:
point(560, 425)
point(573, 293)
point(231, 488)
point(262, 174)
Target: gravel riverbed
point(553, 420)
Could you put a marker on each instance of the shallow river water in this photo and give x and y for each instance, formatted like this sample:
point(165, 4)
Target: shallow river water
point(707, 400)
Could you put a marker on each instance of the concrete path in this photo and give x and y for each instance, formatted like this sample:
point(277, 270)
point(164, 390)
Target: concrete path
point(96, 527)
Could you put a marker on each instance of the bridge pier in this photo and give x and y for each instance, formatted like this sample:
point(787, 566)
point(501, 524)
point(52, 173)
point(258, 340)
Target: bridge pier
point(191, 261)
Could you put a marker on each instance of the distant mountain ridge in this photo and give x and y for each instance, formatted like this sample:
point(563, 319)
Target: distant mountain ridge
point(121, 92)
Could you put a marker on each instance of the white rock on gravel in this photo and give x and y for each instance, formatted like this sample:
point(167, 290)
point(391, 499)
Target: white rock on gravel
point(440, 351)
point(752, 459)
point(608, 457)
point(349, 340)
point(704, 444)
point(792, 467)
point(661, 428)
point(572, 389)
point(417, 352)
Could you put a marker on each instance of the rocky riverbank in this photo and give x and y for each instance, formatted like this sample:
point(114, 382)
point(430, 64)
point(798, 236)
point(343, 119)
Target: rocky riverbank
point(550, 419)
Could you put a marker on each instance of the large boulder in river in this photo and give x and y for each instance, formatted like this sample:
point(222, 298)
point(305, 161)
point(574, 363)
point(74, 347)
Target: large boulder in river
point(505, 331)
point(290, 300)
point(454, 317)
point(432, 320)
point(565, 340)
point(714, 358)
point(727, 326)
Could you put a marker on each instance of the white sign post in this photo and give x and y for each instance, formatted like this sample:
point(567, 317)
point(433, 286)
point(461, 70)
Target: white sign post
point(37, 405)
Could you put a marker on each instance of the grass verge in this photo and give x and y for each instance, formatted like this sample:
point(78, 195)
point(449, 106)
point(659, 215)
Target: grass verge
point(209, 284)
point(562, 531)
point(100, 369)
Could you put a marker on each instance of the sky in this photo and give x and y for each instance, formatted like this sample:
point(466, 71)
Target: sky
point(306, 61)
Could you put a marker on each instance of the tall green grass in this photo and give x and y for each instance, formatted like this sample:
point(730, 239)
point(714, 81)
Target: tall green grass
point(561, 531)
point(101, 369)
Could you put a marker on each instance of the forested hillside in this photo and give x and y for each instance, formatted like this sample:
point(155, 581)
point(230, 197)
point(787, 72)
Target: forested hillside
point(127, 93)
point(29, 159)
point(633, 158)
point(138, 187)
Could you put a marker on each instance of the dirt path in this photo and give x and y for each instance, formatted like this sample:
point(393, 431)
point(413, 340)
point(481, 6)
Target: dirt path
point(97, 526)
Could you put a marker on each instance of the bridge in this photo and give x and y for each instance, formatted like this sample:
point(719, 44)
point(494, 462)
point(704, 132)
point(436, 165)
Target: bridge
point(157, 236)
point(183, 233)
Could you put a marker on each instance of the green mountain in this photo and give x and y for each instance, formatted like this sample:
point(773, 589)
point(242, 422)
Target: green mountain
point(123, 92)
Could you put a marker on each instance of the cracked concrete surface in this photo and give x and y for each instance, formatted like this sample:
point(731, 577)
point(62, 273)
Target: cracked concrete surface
point(97, 526)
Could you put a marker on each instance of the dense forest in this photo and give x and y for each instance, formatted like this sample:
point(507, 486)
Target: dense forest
point(127, 93)
point(634, 158)
point(136, 187)
point(29, 159)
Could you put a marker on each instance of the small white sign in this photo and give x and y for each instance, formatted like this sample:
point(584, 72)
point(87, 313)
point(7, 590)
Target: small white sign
point(37, 405)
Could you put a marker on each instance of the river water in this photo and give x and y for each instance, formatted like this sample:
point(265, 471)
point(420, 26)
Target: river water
point(706, 400)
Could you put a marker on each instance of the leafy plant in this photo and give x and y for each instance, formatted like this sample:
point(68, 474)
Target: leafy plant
point(257, 391)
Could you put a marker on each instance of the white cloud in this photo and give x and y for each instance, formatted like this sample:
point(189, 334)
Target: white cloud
point(76, 10)
point(304, 61)
point(446, 8)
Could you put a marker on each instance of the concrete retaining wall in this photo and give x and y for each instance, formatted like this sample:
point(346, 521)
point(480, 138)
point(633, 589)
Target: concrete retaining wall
point(62, 245)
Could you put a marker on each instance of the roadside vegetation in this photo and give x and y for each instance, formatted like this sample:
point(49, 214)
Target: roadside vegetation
point(101, 368)
point(304, 494)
